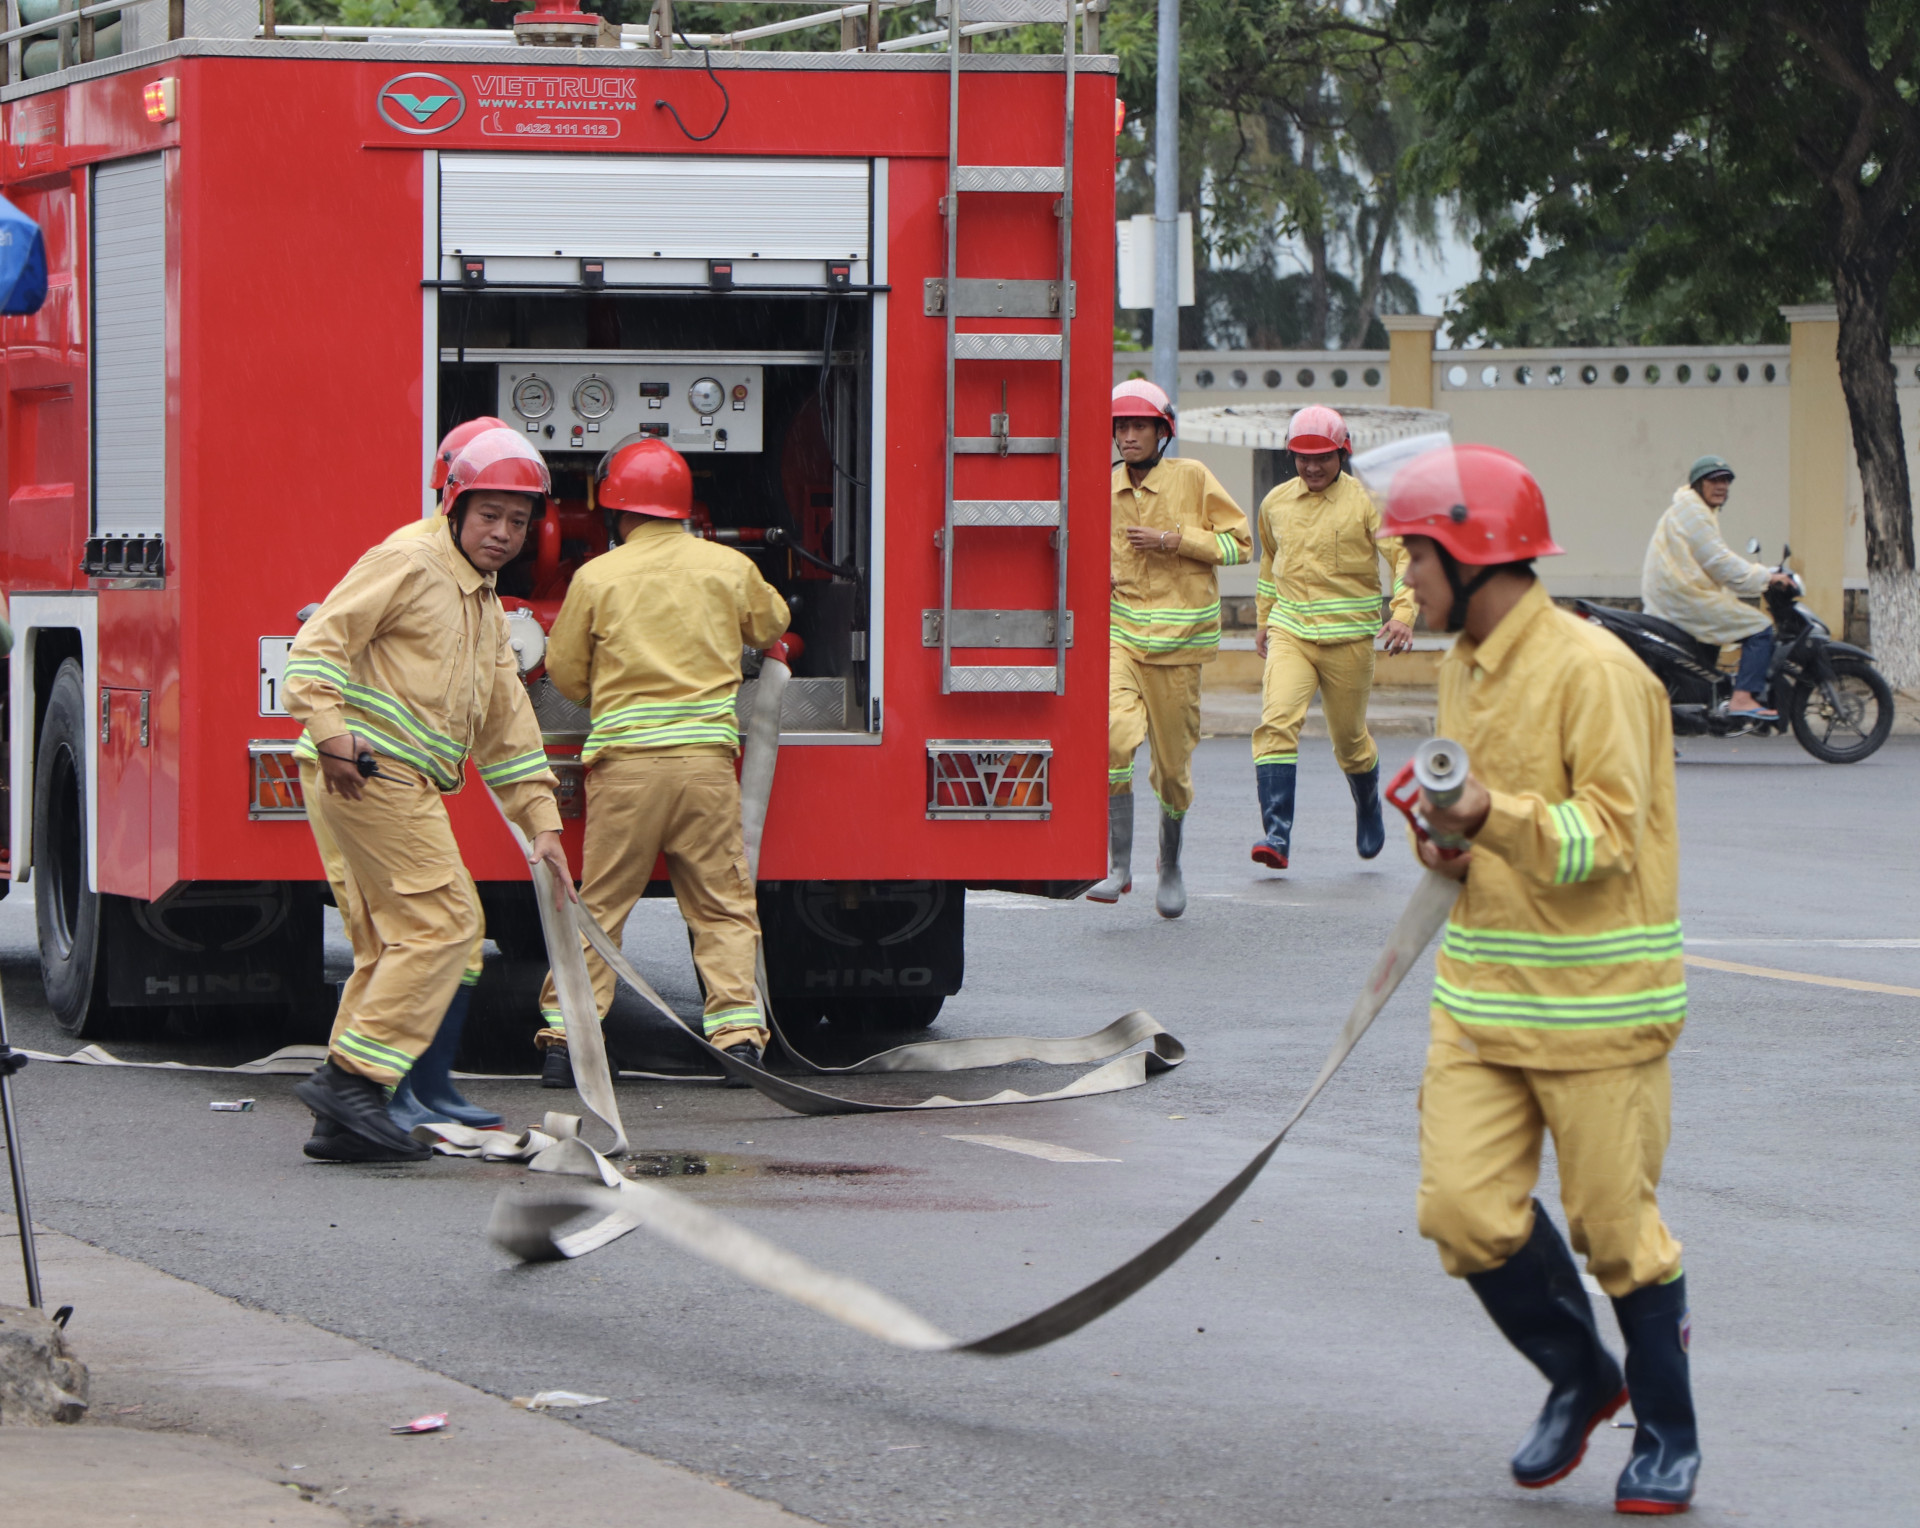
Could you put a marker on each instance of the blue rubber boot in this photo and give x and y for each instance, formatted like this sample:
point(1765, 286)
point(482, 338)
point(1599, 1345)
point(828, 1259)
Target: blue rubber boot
point(1660, 1473)
point(1539, 1304)
point(427, 1093)
point(1370, 829)
point(1275, 783)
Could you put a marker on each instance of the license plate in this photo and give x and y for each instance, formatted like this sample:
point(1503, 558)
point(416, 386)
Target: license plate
point(273, 674)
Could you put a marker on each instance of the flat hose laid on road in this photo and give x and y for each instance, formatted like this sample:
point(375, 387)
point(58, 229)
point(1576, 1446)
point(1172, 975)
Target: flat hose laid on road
point(527, 1224)
point(759, 759)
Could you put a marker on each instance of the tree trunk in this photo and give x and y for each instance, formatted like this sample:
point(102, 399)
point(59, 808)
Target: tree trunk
point(1313, 233)
point(1385, 212)
point(1860, 287)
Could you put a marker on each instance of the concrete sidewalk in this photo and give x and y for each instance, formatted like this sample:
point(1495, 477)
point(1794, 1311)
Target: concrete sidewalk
point(1390, 713)
point(206, 1414)
point(1406, 712)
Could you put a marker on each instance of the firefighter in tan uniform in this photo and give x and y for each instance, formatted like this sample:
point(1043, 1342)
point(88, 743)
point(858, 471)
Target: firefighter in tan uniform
point(405, 671)
point(1559, 988)
point(1173, 524)
point(427, 1092)
point(649, 638)
point(1318, 604)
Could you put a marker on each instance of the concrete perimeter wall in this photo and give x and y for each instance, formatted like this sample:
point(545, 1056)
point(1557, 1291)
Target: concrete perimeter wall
point(1609, 433)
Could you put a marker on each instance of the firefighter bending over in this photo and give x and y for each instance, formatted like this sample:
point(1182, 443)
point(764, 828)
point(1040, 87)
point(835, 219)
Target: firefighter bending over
point(1172, 525)
point(406, 665)
point(650, 638)
point(427, 1092)
point(1559, 989)
point(1318, 605)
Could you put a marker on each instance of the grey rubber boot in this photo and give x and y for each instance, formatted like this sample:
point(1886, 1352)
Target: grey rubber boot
point(1170, 897)
point(1119, 851)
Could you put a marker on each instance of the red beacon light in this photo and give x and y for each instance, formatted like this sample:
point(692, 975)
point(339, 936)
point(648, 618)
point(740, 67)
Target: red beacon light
point(162, 99)
point(562, 24)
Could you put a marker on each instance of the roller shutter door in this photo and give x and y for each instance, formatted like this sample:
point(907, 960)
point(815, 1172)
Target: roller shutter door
point(129, 348)
point(648, 207)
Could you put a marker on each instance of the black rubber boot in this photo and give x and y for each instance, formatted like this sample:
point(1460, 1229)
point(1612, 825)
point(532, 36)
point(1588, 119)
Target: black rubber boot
point(556, 1066)
point(358, 1106)
point(1170, 896)
point(427, 1093)
point(1275, 783)
point(1660, 1473)
point(1369, 828)
point(743, 1050)
point(1119, 879)
point(1537, 1301)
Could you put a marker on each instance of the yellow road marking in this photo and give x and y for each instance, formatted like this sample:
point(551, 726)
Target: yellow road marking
point(1800, 976)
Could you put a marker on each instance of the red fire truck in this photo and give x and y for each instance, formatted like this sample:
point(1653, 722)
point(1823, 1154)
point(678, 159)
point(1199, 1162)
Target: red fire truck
point(842, 284)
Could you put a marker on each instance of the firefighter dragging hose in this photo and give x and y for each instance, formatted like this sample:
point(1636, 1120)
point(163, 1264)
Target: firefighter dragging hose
point(407, 660)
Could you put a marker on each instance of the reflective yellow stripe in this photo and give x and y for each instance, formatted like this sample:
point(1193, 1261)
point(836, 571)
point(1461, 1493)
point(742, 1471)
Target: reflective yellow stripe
point(1535, 1010)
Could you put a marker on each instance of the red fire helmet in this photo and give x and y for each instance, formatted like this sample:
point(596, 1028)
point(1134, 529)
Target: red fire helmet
point(454, 440)
point(1138, 398)
point(645, 477)
point(1478, 502)
point(1316, 430)
point(501, 460)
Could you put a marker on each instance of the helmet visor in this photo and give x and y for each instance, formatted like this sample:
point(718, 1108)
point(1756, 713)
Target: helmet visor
point(1427, 475)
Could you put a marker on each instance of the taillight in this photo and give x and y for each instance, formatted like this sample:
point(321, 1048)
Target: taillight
point(276, 781)
point(988, 779)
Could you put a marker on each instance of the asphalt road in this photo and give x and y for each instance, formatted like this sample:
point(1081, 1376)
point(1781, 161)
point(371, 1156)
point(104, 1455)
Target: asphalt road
point(1307, 1363)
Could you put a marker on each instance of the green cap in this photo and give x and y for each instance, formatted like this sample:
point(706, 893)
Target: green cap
point(1707, 466)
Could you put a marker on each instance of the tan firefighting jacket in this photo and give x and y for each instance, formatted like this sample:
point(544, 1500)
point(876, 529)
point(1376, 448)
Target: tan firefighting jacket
point(650, 636)
point(1166, 605)
point(1320, 564)
point(1563, 952)
point(409, 653)
point(1694, 579)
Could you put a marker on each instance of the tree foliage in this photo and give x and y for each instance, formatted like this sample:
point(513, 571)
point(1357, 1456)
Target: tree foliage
point(1294, 118)
point(1720, 158)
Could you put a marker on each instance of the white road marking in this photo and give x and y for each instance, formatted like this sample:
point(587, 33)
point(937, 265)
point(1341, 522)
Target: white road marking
point(1045, 1150)
point(1838, 944)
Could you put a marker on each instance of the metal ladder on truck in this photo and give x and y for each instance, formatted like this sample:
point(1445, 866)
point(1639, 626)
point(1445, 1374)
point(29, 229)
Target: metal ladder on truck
point(986, 297)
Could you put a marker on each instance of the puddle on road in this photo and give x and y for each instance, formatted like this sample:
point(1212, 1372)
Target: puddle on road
point(780, 1184)
point(699, 1164)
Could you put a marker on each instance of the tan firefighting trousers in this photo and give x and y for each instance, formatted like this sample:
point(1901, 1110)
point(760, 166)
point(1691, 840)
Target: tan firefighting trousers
point(687, 807)
point(1159, 704)
point(1343, 674)
point(410, 910)
point(1480, 1133)
point(353, 914)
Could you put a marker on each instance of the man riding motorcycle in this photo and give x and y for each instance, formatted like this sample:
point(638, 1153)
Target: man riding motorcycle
point(1694, 579)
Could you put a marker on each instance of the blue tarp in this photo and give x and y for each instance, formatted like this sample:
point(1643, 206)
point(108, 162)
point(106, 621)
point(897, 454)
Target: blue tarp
point(23, 261)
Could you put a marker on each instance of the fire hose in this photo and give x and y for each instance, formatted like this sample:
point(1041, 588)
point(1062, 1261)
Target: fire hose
point(528, 1224)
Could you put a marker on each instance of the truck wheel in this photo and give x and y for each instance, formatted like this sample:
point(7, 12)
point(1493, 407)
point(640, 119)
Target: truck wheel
point(849, 1013)
point(513, 919)
point(67, 911)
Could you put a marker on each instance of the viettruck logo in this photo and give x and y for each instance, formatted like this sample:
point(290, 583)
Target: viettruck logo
point(421, 103)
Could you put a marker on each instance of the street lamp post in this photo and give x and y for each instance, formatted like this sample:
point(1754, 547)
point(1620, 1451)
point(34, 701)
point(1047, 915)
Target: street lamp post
point(1166, 204)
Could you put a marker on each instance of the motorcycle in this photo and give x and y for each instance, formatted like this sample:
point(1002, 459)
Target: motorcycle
point(1828, 692)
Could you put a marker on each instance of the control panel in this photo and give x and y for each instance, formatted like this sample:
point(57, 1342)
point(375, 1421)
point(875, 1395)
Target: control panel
point(694, 408)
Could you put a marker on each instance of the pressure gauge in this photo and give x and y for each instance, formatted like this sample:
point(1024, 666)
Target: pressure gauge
point(706, 396)
point(533, 398)
point(593, 398)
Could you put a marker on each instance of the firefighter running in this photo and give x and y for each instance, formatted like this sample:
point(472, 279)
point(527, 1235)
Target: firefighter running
point(1559, 989)
point(1173, 524)
point(1317, 609)
point(650, 638)
point(406, 666)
